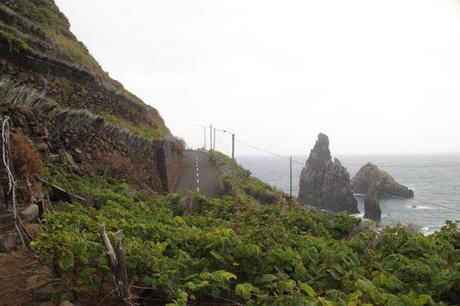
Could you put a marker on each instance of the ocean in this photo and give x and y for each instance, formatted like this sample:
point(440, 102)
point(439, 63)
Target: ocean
point(435, 180)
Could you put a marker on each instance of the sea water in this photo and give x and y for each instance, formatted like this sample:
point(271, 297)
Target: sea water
point(435, 180)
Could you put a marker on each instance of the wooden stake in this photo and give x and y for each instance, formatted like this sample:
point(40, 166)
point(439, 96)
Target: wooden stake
point(108, 246)
point(122, 274)
point(117, 263)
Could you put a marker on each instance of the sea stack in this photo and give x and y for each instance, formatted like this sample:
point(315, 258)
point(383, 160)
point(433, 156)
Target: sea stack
point(371, 205)
point(325, 184)
point(385, 185)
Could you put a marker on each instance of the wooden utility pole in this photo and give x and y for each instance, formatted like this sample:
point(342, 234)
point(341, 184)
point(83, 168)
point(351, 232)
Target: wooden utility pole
point(233, 146)
point(290, 176)
point(214, 141)
point(210, 137)
point(204, 137)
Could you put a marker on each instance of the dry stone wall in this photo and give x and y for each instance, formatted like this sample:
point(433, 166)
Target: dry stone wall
point(90, 145)
point(74, 87)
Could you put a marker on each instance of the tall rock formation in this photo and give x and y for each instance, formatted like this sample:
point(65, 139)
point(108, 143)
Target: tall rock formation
point(371, 205)
point(385, 184)
point(325, 184)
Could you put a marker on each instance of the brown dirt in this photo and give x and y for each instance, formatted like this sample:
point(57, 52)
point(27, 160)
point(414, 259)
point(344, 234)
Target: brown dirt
point(15, 269)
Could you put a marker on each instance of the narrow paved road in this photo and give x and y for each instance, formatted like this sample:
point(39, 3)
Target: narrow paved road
point(198, 175)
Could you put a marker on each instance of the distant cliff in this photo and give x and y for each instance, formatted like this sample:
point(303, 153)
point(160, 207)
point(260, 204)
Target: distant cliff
point(325, 184)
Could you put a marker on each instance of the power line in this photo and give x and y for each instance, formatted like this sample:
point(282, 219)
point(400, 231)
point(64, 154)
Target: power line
point(428, 203)
point(285, 157)
point(439, 205)
point(288, 158)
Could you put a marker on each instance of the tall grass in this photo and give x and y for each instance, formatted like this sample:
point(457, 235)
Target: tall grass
point(25, 98)
point(40, 28)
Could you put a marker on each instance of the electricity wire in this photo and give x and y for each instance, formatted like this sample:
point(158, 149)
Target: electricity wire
point(286, 157)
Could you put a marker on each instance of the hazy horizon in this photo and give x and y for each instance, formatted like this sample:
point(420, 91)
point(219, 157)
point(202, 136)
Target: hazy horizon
point(378, 77)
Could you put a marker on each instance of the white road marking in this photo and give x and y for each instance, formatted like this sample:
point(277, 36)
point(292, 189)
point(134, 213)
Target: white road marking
point(197, 174)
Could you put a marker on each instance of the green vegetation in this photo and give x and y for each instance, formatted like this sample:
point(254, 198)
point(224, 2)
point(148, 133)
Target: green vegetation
point(40, 27)
point(49, 23)
point(234, 250)
point(14, 43)
point(140, 130)
point(237, 179)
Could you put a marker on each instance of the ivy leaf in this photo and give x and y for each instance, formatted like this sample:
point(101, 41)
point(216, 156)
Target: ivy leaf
point(354, 298)
point(161, 246)
point(268, 278)
point(66, 261)
point(245, 290)
point(307, 289)
point(226, 275)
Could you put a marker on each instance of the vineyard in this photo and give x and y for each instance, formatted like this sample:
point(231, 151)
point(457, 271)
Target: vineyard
point(234, 251)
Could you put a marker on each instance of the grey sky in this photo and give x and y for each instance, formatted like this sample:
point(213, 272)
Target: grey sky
point(376, 76)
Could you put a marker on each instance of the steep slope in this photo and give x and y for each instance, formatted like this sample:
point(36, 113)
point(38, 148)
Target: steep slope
point(38, 48)
point(62, 115)
point(73, 113)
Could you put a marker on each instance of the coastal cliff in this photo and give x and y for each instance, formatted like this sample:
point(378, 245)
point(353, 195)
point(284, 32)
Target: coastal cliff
point(385, 185)
point(324, 183)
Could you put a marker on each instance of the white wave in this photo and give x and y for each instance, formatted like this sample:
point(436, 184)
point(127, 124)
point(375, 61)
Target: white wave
point(418, 207)
point(426, 230)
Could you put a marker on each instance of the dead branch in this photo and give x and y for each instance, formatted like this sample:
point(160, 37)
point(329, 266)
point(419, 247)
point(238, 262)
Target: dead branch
point(108, 246)
point(71, 196)
point(117, 263)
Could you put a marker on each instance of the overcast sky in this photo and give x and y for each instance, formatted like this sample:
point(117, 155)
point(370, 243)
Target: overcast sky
point(377, 76)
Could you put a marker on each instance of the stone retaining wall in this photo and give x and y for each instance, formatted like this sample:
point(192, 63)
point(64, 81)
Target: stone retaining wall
point(74, 87)
point(90, 145)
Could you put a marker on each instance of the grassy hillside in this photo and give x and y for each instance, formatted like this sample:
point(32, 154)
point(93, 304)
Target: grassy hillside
point(237, 180)
point(37, 30)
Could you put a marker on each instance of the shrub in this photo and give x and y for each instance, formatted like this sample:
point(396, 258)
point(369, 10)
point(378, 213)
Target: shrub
point(26, 160)
point(234, 250)
point(112, 164)
point(235, 178)
point(144, 131)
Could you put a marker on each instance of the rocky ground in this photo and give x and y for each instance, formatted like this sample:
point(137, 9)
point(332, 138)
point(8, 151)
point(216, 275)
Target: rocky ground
point(23, 280)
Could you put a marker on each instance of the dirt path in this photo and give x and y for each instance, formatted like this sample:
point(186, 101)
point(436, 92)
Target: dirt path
point(17, 269)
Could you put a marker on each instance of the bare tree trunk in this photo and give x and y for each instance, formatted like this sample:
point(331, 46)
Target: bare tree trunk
point(121, 261)
point(117, 263)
